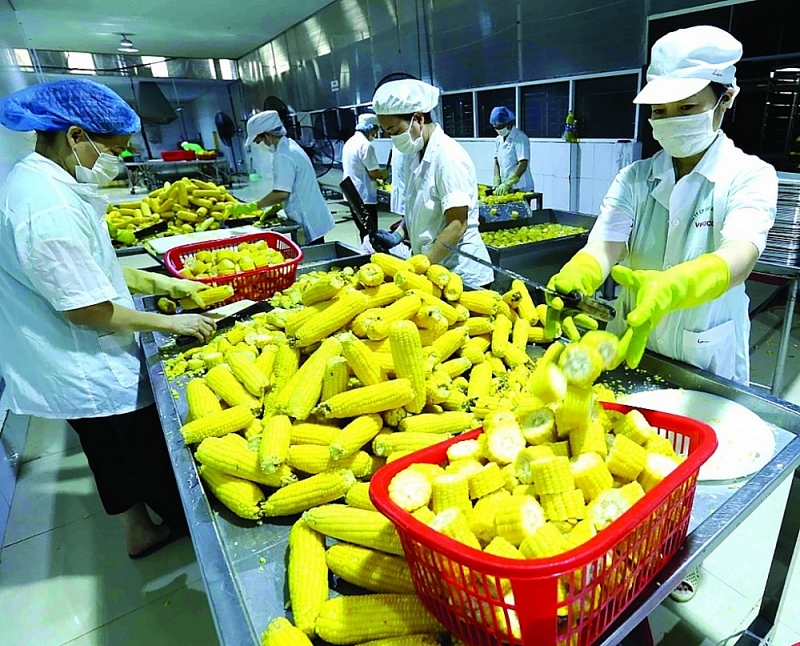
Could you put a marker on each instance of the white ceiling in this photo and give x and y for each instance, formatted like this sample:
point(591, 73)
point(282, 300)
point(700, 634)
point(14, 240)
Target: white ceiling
point(176, 28)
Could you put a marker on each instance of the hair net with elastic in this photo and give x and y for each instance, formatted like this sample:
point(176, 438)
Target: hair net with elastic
point(367, 122)
point(686, 60)
point(267, 121)
point(500, 115)
point(57, 105)
point(405, 97)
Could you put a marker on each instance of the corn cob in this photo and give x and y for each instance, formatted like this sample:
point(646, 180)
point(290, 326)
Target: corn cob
point(591, 475)
point(431, 319)
point(370, 569)
point(254, 431)
point(275, 440)
point(481, 301)
point(454, 288)
point(212, 295)
point(552, 475)
point(656, 469)
point(475, 348)
point(200, 399)
point(407, 358)
point(242, 497)
point(370, 275)
point(245, 370)
point(299, 318)
point(265, 361)
point(516, 357)
point(404, 640)
point(450, 341)
point(232, 455)
point(437, 387)
point(547, 382)
point(581, 364)
point(382, 295)
point(517, 517)
point(456, 401)
point(223, 383)
point(361, 360)
point(217, 424)
point(486, 481)
point(575, 411)
point(302, 495)
point(287, 362)
point(543, 542)
point(447, 310)
point(408, 280)
point(453, 523)
point(452, 422)
point(401, 310)
point(438, 275)
point(358, 496)
point(212, 359)
point(539, 335)
point(410, 489)
point(424, 515)
point(301, 392)
point(659, 444)
point(481, 518)
point(450, 490)
point(394, 417)
point(369, 399)
point(496, 364)
point(564, 506)
point(387, 443)
point(354, 619)
point(319, 434)
point(390, 264)
point(500, 333)
point(344, 310)
point(626, 459)
point(321, 290)
point(361, 323)
point(520, 332)
point(419, 263)
point(281, 632)
point(307, 576)
point(355, 435)
point(311, 458)
point(521, 298)
point(334, 381)
point(477, 325)
point(357, 526)
point(588, 438)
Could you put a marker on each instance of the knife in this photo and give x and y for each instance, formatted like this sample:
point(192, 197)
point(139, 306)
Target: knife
point(227, 321)
point(594, 307)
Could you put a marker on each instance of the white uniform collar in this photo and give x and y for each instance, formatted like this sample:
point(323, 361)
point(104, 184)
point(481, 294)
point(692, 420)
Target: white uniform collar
point(433, 143)
point(87, 192)
point(283, 143)
point(708, 166)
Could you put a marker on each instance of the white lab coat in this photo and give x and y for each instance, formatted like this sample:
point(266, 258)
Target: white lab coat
point(397, 198)
point(56, 255)
point(443, 179)
point(292, 172)
point(728, 196)
point(358, 159)
point(509, 151)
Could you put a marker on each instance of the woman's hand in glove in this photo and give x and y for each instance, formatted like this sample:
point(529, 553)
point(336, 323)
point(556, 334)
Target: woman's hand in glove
point(147, 282)
point(383, 240)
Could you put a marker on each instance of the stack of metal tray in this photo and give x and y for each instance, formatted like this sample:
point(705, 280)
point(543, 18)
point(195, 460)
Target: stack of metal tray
point(322, 257)
point(783, 240)
point(538, 261)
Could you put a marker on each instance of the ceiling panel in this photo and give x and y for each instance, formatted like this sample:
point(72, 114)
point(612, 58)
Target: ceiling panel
point(179, 28)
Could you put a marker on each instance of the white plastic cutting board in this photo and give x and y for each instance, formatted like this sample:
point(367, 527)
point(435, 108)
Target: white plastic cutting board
point(746, 442)
point(162, 245)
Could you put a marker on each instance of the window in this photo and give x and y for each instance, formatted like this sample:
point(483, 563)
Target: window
point(157, 65)
point(544, 109)
point(23, 58)
point(604, 107)
point(228, 69)
point(457, 114)
point(80, 62)
point(488, 99)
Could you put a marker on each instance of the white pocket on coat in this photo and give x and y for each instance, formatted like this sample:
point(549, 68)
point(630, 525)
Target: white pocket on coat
point(712, 349)
point(121, 354)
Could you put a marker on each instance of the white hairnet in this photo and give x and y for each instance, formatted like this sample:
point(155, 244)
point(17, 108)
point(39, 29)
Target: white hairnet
point(267, 121)
point(367, 122)
point(405, 97)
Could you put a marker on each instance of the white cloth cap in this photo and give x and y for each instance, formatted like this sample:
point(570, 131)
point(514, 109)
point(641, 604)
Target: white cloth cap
point(267, 121)
point(367, 121)
point(405, 97)
point(685, 61)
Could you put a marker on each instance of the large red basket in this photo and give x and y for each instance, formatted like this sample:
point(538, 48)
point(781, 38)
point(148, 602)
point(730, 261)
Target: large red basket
point(256, 284)
point(569, 599)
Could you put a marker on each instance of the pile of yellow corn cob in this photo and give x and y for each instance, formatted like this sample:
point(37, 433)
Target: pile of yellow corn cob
point(246, 256)
point(544, 478)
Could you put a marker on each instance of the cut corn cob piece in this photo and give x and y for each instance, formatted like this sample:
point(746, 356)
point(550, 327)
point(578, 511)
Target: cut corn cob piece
point(575, 411)
point(361, 360)
point(504, 438)
point(355, 435)
point(559, 448)
point(408, 280)
point(626, 459)
point(390, 264)
point(212, 359)
point(358, 496)
point(453, 523)
point(500, 335)
point(548, 382)
point(319, 434)
point(517, 517)
point(217, 424)
point(408, 361)
point(656, 468)
point(200, 399)
point(266, 360)
point(552, 475)
point(438, 275)
point(635, 427)
point(334, 381)
point(499, 546)
point(450, 341)
point(281, 632)
point(387, 443)
point(316, 490)
point(450, 490)
point(242, 497)
point(343, 310)
point(523, 465)
point(481, 518)
point(481, 301)
point(509, 474)
point(581, 364)
point(582, 533)
point(464, 450)
point(564, 506)
point(232, 455)
point(606, 343)
point(301, 393)
point(544, 542)
point(382, 295)
point(275, 441)
point(607, 507)
point(354, 619)
point(370, 569)
point(486, 481)
point(450, 422)
point(419, 263)
point(370, 275)
point(369, 399)
point(659, 444)
point(410, 489)
point(245, 370)
point(430, 471)
point(223, 383)
point(424, 515)
point(207, 297)
point(539, 426)
point(311, 458)
point(357, 526)
point(463, 467)
point(401, 310)
point(589, 438)
point(475, 348)
point(323, 289)
point(307, 576)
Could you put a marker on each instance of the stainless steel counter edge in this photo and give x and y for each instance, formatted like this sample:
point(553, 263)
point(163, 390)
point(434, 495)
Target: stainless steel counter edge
point(233, 624)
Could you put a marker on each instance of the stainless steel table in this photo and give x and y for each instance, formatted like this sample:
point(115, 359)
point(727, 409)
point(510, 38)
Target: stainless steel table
point(243, 563)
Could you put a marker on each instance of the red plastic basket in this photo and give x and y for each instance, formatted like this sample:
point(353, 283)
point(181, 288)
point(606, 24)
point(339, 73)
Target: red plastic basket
point(256, 284)
point(565, 600)
point(177, 155)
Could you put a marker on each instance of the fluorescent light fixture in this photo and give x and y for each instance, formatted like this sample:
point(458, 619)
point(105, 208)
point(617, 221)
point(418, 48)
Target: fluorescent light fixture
point(126, 45)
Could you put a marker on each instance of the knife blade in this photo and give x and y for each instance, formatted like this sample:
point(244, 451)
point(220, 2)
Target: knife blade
point(228, 321)
point(594, 307)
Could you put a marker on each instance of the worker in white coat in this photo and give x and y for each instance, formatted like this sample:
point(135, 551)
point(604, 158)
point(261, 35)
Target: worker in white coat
point(294, 182)
point(70, 349)
point(360, 164)
point(688, 225)
point(441, 190)
point(512, 154)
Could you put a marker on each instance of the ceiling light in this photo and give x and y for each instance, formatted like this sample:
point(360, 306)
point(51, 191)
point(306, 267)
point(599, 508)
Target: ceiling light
point(126, 45)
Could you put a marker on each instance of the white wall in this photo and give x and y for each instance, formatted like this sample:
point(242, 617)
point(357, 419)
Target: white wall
point(571, 177)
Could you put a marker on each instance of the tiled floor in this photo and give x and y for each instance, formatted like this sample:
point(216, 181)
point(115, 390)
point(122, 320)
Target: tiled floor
point(65, 577)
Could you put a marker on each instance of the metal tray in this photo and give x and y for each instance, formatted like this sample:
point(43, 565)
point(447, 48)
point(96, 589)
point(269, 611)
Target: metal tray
point(321, 257)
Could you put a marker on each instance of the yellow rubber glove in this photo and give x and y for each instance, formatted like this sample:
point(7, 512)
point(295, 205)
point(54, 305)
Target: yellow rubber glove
point(582, 274)
point(658, 293)
point(146, 282)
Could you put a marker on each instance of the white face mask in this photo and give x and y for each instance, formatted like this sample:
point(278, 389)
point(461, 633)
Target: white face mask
point(264, 146)
point(406, 144)
point(503, 131)
point(104, 170)
point(685, 136)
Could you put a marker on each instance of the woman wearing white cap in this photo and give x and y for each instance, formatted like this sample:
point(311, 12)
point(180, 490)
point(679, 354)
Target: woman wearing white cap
point(512, 150)
point(294, 180)
point(689, 224)
point(360, 164)
point(441, 194)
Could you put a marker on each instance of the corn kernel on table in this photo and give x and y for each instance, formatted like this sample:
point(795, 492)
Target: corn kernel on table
point(243, 563)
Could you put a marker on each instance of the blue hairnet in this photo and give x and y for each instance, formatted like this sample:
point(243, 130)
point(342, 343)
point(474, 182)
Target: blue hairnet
point(57, 105)
point(501, 114)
